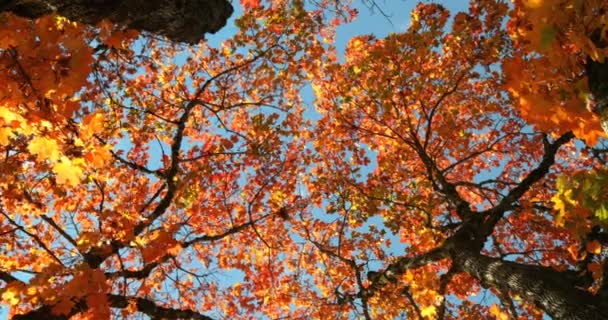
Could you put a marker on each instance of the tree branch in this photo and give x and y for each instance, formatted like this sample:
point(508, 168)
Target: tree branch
point(7, 277)
point(495, 213)
point(378, 279)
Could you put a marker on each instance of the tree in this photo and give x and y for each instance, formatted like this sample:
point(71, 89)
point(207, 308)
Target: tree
point(150, 177)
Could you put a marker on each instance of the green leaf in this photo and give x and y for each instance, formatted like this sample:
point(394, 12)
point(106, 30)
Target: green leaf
point(602, 212)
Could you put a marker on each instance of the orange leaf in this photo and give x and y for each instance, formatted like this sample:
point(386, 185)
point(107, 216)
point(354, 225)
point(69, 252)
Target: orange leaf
point(91, 124)
point(250, 4)
point(64, 307)
point(595, 269)
point(495, 310)
point(573, 250)
point(593, 247)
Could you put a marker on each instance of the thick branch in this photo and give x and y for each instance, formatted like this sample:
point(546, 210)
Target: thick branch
point(394, 270)
point(7, 277)
point(463, 208)
point(553, 291)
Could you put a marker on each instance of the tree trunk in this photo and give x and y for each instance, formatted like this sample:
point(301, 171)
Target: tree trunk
point(553, 291)
point(179, 20)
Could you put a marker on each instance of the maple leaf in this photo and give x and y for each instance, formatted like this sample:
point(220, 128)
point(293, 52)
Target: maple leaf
point(68, 172)
point(11, 295)
point(98, 157)
point(495, 310)
point(250, 4)
point(8, 116)
point(428, 312)
point(45, 148)
point(555, 32)
point(5, 135)
point(91, 124)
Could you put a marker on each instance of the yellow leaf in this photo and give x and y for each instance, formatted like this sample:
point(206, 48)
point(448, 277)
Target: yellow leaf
point(277, 197)
point(415, 17)
point(428, 312)
point(408, 277)
point(32, 291)
point(68, 171)
point(11, 295)
point(88, 239)
point(44, 148)
point(495, 310)
point(5, 136)
point(8, 116)
point(318, 90)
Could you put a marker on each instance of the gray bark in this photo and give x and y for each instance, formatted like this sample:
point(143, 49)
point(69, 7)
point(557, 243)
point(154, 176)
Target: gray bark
point(555, 292)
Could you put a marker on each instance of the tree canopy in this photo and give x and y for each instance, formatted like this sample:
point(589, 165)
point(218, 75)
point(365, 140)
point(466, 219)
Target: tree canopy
point(463, 156)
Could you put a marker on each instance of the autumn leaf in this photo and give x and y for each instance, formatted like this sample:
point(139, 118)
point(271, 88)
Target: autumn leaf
point(45, 149)
point(250, 4)
point(560, 34)
point(98, 157)
point(11, 295)
point(593, 247)
point(88, 240)
point(69, 172)
point(499, 314)
point(9, 117)
point(91, 124)
point(595, 269)
point(63, 307)
point(5, 135)
point(429, 312)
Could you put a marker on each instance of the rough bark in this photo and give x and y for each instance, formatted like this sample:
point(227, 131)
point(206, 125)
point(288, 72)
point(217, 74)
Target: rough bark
point(179, 20)
point(555, 292)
